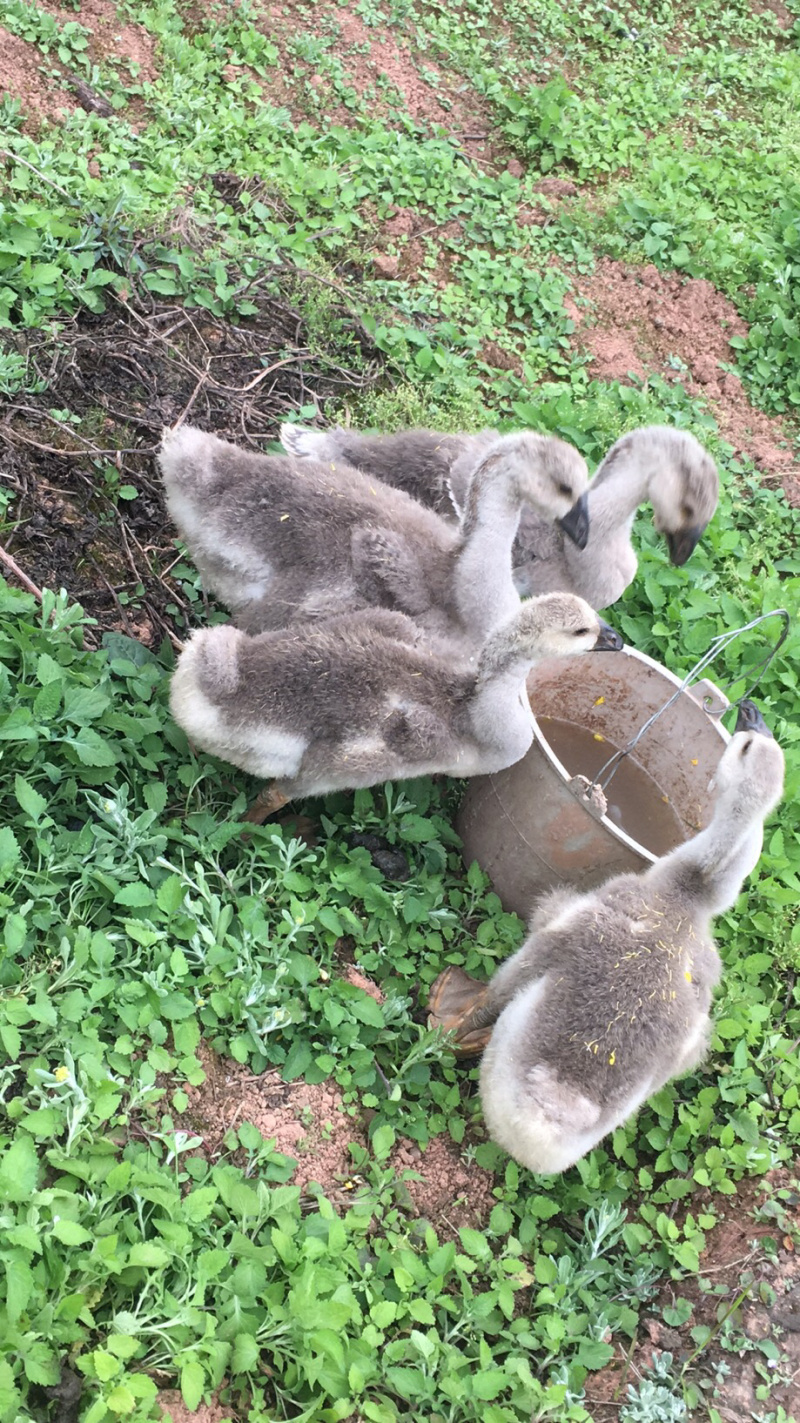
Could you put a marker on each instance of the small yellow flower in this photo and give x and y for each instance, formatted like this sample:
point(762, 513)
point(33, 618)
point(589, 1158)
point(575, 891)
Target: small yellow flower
point(61, 1074)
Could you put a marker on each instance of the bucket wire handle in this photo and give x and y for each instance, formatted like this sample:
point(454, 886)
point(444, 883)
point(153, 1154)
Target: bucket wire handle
point(718, 645)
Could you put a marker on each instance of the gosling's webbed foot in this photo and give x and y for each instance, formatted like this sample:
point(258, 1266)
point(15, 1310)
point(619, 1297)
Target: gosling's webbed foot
point(457, 1003)
point(268, 802)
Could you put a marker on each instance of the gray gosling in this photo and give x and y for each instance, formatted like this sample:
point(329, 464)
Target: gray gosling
point(359, 699)
point(609, 997)
point(667, 468)
point(282, 541)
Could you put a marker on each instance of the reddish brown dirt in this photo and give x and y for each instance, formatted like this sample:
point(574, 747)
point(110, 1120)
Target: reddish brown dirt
point(112, 37)
point(500, 358)
point(20, 76)
point(734, 1256)
point(410, 236)
point(306, 1122)
point(631, 320)
point(310, 1124)
point(451, 1193)
point(173, 1407)
point(783, 17)
point(372, 57)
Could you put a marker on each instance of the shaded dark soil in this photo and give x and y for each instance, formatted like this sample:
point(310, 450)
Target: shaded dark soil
point(87, 513)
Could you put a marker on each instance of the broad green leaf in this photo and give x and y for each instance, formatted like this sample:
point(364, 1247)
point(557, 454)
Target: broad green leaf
point(193, 1381)
point(245, 1354)
point(170, 894)
point(121, 1400)
point(43, 1123)
point(19, 1285)
point(298, 1059)
point(29, 799)
point(11, 1038)
point(9, 853)
point(105, 1365)
point(134, 896)
point(9, 1393)
point(489, 1383)
point(69, 1232)
point(82, 704)
point(199, 1204)
point(148, 1254)
point(19, 1170)
point(126, 649)
point(91, 749)
point(41, 1364)
point(383, 1140)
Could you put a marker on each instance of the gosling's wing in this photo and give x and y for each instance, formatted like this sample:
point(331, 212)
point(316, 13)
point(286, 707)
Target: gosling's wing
point(388, 570)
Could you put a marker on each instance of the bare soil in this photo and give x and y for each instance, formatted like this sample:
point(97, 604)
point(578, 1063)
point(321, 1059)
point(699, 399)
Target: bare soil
point(311, 1124)
point(450, 1194)
point(173, 1407)
point(380, 66)
point(112, 36)
point(632, 320)
point(306, 1122)
point(21, 76)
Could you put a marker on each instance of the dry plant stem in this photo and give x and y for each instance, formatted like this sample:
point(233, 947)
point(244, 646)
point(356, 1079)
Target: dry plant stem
point(124, 375)
point(15, 158)
point(626, 1370)
point(13, 567)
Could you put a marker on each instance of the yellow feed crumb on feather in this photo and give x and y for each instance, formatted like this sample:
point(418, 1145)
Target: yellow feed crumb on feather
point(688, 975)
point(612, 1059)
point(695, 762)
point(600, 701)
point(284, 517)
point(598, 737)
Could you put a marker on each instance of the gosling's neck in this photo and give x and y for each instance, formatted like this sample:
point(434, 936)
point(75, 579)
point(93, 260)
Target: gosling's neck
point(507, 655)
point(709, 869)
point(483, 578)
point(620, 485)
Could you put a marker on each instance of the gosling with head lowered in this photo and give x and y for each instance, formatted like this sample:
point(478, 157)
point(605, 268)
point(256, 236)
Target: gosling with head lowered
point(610, 995)
point(282, 541)
point(360, 700)
point(655, 464)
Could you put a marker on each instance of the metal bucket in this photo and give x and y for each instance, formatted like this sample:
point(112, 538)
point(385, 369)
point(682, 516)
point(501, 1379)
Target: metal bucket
point(532, 828)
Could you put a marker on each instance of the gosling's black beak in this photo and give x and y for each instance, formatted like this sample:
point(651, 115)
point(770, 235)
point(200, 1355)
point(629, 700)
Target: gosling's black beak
point(608, 640)
point(576, 523)
point(750, 719)
point(683, 543)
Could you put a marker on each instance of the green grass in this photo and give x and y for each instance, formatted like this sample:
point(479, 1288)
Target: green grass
point(137, 924)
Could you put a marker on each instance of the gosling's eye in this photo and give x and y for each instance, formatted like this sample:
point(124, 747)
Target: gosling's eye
point(746, 747)
point(581, 632)
point(687, 511)
point(564, 489)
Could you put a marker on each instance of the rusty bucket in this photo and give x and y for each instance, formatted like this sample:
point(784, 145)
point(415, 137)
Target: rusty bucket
point(533, 828)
